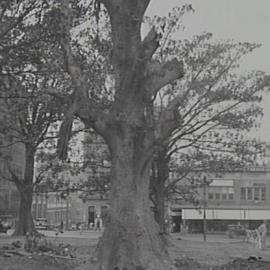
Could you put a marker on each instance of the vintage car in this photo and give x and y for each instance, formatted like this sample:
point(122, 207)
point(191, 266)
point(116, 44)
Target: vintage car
point(5, 223)
point(235, 230)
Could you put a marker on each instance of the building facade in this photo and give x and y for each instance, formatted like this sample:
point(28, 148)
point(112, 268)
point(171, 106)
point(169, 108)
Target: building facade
point(87, 212)
point(241, 197)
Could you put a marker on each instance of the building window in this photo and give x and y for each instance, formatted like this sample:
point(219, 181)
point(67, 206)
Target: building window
point(243, 193)
point(263, 194)
point(256, 194)
point(220, 193)
point(249, 193)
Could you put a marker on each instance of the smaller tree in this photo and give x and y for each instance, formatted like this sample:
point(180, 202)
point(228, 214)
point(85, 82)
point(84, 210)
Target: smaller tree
point(26, 120)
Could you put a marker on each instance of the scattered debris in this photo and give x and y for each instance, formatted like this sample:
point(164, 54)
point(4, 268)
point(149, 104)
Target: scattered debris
point(6, 247)
point(17, 244)
point(38, 243)
point(19, 252)
point(187, 263)
point(8, 255)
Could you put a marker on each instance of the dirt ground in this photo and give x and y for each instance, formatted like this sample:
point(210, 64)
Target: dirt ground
point(218, 253)
point(189, 252)
point(217, 250)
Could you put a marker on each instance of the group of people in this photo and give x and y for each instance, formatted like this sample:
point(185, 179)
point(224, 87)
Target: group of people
point(96, 225)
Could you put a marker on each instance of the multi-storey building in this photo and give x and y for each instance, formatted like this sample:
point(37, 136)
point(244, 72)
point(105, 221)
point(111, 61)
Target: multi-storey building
point(87, 209)
point(39, 205)
point(241, 196)
point(57, 209)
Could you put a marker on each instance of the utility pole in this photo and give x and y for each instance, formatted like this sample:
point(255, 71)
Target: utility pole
point(204, 208)
point(67, 209)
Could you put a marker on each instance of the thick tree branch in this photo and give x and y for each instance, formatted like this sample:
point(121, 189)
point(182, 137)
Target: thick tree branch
point(150, 44)
point(82, 105)
point(126, 17)
point(161, 74)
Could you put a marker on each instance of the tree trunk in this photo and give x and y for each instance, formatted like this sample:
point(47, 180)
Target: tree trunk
point(25, 220)
point(25, 187)
point(160, 206)
point(131, 238)
point(158, 188)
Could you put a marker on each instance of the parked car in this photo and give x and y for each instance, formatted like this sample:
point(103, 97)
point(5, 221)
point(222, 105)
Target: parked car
point(41, 224)
point(4, 227)
point(5, 223)
point(234, 230)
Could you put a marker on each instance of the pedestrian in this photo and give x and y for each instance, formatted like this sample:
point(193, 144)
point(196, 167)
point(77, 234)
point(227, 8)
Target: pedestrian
point(262, 231)
point(98, 223)
point(81, 228)
point(61, 226)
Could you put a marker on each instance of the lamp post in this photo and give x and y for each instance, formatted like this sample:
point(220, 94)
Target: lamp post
point(204, 208)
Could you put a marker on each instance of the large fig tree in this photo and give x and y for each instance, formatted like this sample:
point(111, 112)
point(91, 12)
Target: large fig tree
point(131, 239)
point(127, 122)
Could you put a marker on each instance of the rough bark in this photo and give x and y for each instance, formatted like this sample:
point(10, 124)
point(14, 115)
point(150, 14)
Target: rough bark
point(160, 207)
point(25, 187)
point(158, 189)
point(25, 220)
point(131, 239)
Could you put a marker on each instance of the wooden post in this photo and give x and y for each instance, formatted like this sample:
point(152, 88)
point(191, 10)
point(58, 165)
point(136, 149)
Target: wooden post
point(204, 208)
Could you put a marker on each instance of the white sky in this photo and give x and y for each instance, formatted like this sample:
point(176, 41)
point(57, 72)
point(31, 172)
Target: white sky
point(240, 20)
